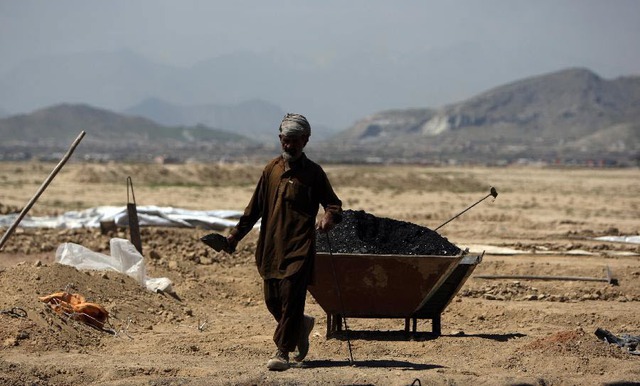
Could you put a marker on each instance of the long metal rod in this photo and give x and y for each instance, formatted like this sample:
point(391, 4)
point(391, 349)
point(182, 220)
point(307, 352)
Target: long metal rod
point(44, 185)
point(344, 318)
point(493, 193)
point(537, 277)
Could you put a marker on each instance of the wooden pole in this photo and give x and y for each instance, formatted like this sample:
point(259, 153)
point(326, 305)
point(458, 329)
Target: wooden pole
point(41, 189)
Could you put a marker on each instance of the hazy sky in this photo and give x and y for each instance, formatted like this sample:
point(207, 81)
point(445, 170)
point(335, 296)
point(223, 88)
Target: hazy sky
point(602, 33)
point(603, 36)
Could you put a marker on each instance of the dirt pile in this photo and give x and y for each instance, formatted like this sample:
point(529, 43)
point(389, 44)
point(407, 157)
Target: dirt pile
point(578, 342)
point(362, 232)
point(159, 244)
point(128, 303)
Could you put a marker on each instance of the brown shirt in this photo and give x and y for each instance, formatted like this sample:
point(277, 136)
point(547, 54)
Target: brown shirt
point(288, 203)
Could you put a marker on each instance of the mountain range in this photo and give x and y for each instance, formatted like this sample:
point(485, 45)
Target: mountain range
point(109, 135)
point(332, 88)
point(572, 115)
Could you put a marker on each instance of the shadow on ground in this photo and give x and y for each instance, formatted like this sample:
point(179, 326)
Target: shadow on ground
point(416, 336)
point(379, 363)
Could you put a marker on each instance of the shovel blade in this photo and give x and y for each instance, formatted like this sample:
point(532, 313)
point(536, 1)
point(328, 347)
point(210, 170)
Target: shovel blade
point(216, 241)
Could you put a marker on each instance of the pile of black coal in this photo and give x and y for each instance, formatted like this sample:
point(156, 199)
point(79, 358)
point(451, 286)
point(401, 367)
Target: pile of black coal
point(364, 233)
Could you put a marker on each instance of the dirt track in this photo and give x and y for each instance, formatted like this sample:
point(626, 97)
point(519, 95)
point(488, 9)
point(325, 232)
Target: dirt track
point(216, 329)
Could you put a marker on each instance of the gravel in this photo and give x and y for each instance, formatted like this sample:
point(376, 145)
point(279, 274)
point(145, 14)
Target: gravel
point(363, 233)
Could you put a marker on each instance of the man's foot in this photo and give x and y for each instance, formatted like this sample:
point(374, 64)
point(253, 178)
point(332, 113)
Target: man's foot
point(279, 362)
point(303, 341)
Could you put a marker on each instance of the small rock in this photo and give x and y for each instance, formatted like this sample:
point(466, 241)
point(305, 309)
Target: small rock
point(154, 255)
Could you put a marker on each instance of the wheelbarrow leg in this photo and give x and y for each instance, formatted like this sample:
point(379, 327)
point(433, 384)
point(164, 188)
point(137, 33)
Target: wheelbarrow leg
point(337, 322)
point(334, 324)
point(436, 325)
point(411, 325)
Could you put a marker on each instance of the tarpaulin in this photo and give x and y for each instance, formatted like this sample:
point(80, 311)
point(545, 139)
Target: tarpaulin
point(147, 216)
point(620, 239)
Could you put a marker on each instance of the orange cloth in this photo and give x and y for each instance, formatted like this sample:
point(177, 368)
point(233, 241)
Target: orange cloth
point(76, 306)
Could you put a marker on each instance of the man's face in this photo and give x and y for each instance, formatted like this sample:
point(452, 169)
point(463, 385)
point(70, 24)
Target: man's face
point(292, 146)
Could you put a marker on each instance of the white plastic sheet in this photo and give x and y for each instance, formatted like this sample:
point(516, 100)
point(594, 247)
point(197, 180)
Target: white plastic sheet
point(164, 216)
point(620, 239)
point(124, 258)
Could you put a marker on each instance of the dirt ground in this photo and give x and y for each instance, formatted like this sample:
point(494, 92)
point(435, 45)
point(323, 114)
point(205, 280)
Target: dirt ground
point(214, 329)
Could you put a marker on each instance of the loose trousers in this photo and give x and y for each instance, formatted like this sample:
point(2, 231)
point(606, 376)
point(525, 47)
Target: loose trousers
point(285, 300)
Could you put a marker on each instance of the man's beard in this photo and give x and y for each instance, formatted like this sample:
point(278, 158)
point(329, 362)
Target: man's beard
point(290, 157)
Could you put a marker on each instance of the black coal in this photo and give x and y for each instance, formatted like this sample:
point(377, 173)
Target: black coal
point(364, 233)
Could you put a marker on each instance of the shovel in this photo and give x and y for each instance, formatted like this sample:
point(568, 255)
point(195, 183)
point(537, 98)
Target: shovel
point(217, 242)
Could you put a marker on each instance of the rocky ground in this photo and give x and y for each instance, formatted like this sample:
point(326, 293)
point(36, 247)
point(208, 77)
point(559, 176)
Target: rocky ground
point(213, 328)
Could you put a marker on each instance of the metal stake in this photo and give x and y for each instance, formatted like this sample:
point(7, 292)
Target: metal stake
point(132, 212)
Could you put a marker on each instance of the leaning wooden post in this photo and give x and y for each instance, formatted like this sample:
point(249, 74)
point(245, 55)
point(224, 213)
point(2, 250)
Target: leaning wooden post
point(42, 188)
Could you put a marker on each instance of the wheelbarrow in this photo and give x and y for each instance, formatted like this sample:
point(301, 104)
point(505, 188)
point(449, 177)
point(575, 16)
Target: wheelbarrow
point(410, 287)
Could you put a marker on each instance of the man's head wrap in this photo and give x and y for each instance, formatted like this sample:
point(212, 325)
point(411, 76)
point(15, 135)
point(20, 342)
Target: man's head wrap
point(295, 125)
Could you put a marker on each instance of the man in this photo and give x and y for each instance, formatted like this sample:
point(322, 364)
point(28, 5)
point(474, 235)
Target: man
point(287, 198)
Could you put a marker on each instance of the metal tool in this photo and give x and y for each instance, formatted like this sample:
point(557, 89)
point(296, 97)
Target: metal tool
point(609, 279)
point(493, 192)
point(217, 242)
point(15, 312)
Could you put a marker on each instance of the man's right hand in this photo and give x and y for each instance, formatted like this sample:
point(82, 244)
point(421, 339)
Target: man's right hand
point(233, 243)
point(326, 223)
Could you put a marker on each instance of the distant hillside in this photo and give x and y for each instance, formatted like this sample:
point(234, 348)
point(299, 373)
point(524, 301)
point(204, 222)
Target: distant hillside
point(54, 128)
point(256, 119)
point(570, 113)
